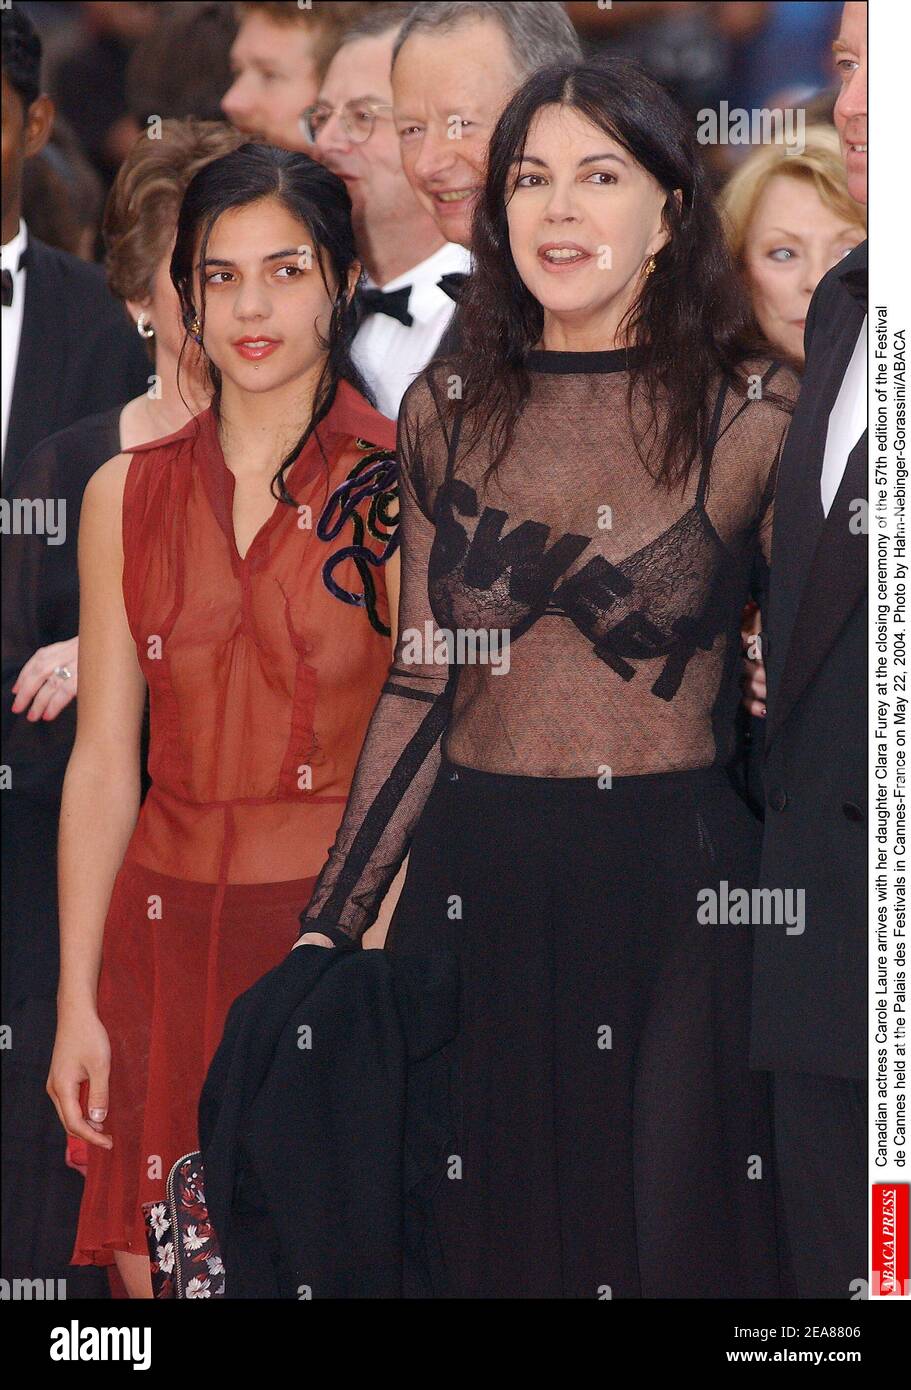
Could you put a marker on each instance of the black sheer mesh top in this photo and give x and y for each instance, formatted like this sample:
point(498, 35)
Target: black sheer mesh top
point(605, 609)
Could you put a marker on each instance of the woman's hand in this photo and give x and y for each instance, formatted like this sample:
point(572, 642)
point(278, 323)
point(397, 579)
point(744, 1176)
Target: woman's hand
point(82, 1052)
point(752, 679)
point(38, 686)
point(313, 938)
point(76, 1155)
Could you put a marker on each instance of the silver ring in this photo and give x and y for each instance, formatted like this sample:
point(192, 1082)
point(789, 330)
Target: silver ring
point(63, 672)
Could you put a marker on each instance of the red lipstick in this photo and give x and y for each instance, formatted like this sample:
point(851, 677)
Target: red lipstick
point(255, 347)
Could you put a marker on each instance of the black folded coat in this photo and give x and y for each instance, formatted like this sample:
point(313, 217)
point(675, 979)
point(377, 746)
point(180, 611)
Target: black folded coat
point(325, 1122)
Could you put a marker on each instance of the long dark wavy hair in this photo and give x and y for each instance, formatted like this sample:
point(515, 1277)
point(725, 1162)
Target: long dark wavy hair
point(319, 199)
point(692, 324)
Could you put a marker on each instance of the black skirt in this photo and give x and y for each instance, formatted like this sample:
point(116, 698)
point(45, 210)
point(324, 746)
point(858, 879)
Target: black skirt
point(610, 1140)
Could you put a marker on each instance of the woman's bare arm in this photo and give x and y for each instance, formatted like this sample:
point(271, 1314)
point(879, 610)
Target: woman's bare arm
point(101, 789)
point(101, 794)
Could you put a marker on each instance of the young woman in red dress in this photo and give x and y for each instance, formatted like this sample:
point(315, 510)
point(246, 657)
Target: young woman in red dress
point(243, 569)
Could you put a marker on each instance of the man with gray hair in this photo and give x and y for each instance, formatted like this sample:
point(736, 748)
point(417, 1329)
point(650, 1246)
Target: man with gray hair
point(454, 68)
point(404, 304)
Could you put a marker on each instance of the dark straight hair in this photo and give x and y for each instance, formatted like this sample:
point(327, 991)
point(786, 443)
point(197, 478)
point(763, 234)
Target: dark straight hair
point(316, 197)
point(692, 322)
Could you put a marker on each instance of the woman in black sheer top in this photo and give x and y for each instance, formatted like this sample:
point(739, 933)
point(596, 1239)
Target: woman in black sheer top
point(584, 490)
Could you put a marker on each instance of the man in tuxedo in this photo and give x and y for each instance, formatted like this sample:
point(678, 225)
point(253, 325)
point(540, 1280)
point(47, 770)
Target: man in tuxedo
point(68, 348)
point(68, 351)
point(405, 302)
point(454, 68)
point(810, 986)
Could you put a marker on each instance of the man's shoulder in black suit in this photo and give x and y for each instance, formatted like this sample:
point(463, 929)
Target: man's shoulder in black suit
point(81, 283)
point(78, 353)
point(844, 284)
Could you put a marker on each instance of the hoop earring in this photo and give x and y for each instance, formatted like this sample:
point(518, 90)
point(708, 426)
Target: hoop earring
point(144, 326)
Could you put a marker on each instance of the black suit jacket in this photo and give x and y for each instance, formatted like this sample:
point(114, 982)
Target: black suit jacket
point(325, 1122)
point(78, 354)
point(810, 987)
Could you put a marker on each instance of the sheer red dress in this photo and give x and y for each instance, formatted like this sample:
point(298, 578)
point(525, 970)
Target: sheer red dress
point(263, 672)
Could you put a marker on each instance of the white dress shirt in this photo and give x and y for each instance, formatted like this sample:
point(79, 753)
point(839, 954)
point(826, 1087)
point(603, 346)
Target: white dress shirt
point(11, 324)
point(847, 421)
point(390, 354)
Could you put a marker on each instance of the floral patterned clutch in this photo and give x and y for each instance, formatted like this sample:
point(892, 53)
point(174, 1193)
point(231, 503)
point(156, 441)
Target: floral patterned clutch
point(183, 1247)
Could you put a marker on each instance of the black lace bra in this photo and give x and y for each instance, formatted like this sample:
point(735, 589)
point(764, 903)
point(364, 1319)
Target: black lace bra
point(623, 639)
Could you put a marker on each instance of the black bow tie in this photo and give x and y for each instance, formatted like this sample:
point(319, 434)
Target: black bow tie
point(391, 302)
point(7, 278)
point(452, 283)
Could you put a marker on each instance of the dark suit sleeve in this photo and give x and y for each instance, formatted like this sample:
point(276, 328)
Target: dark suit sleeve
point(114, 363)
point(37, 751)
point(105, 360)
point(40, 589)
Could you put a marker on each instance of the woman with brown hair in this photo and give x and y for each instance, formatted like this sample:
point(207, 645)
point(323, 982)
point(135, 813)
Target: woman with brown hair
point(218, 570)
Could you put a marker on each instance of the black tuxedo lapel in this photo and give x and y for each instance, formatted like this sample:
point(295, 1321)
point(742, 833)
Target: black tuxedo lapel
point(41, 364)
point(834, 583)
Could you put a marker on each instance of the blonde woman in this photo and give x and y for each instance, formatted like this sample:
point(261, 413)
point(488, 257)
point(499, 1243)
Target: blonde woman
point(789, 218)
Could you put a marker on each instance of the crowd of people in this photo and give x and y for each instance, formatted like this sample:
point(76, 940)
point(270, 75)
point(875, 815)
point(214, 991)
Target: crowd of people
point(432, 476)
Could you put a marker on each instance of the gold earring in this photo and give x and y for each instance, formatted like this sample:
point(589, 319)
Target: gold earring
point(650, 267)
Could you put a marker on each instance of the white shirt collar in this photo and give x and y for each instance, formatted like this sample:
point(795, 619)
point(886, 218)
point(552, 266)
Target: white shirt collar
point(426, 298)
point(12, 250)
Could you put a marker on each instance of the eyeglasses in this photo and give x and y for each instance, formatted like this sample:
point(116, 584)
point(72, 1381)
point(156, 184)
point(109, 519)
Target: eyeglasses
point(357, 119)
